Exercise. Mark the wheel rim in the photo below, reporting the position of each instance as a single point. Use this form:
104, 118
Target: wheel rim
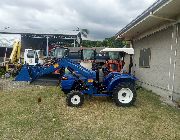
75, 100
125, 95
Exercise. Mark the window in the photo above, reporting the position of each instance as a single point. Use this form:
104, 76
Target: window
144, 59
40, 54
59, 52
30, 54
114, 55
88, 54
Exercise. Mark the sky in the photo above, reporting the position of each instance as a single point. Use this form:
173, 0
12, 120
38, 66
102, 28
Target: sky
103, 18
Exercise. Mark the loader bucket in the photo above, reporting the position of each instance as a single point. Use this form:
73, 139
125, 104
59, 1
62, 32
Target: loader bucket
31, 73
23, 74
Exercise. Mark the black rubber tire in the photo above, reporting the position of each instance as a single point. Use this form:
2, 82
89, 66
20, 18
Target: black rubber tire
71, 95
118, 88
66, 91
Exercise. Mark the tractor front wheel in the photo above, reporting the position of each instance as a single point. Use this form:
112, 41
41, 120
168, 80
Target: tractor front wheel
75, 99
124, 95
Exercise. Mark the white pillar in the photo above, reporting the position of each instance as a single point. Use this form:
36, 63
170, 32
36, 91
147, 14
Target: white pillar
47, 46
5, 53
74, 43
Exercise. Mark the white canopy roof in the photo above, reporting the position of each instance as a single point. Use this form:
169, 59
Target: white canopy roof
126, 50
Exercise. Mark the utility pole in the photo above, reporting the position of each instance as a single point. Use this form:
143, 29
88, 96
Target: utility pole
47, 46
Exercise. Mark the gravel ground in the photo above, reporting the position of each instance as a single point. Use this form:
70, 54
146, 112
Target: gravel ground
8, 85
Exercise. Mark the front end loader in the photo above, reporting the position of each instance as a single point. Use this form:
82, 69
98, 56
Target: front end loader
81, 81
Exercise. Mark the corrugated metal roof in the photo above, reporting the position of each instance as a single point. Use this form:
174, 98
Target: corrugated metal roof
38, 31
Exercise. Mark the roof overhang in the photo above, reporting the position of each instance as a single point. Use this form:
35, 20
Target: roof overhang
165, 14
126, 50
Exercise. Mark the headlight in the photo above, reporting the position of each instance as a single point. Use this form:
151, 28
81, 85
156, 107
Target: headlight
64, 78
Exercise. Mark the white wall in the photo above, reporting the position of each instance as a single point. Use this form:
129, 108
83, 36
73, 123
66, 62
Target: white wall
159, 77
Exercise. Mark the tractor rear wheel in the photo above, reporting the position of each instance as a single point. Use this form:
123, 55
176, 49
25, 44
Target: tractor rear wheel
124, 94
75, 99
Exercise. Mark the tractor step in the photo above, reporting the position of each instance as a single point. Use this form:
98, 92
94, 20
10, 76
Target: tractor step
103, 95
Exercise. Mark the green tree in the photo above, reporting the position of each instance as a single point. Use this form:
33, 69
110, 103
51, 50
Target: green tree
107, 42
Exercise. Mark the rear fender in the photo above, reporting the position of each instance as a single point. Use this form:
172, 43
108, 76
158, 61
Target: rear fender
109, 77
124, 78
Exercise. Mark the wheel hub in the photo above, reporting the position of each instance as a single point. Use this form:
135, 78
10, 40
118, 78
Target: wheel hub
75, 99
125, 95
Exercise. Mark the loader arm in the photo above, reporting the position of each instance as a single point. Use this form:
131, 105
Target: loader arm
31, 73
15, 54
77, 67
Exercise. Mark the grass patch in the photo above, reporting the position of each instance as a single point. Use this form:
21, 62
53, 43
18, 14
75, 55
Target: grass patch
22, 117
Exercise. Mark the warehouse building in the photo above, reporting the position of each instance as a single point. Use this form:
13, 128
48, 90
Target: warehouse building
155, 37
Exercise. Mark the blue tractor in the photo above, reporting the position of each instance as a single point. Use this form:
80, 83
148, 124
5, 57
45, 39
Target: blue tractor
81, 81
